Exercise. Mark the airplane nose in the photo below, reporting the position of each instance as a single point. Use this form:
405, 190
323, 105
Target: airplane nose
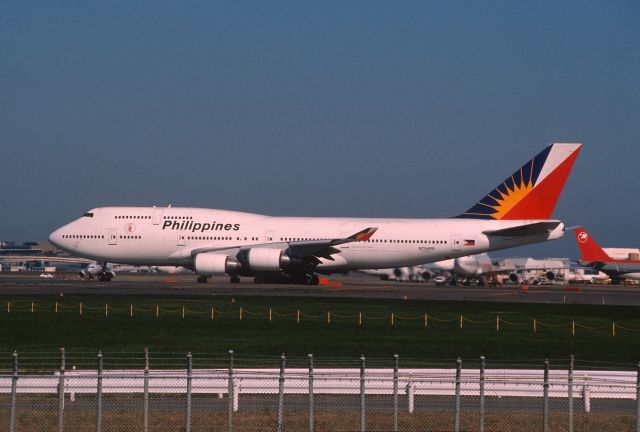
55, 238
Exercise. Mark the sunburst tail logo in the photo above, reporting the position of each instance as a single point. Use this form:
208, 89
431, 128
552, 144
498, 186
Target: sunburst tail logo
532, 191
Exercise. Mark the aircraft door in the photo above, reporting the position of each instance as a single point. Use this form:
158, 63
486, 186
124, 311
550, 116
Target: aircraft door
113, 236
456, 242
268, 236
157, 215
181, 238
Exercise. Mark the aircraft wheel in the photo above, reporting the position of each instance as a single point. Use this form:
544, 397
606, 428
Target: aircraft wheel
258, 280
107, 277
235, 280
202, 279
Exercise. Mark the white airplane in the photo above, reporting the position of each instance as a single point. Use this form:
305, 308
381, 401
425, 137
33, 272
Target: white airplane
221, 242
419, 273
533, 271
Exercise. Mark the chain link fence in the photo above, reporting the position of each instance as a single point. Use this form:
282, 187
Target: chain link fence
204, 392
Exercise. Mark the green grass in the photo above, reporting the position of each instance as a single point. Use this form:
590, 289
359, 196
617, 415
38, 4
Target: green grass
44, 331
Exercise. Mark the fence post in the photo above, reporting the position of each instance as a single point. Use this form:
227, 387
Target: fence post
456, 426
61, 391
395, 392
145, 402
482, 393
230, 391
410, 405
99, 394
362, 391
14, 390
280, 393
570, 390
586, 395
310, 392
189, 383
638, 399
545, 397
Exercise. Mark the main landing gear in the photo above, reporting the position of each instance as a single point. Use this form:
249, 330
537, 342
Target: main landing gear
105, 277
203, 279
105, 274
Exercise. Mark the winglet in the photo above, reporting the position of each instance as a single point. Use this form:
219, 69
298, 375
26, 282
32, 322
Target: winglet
363, 235
590, 250
533, 190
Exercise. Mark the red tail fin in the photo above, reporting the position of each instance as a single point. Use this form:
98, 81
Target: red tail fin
533, 190
589, 249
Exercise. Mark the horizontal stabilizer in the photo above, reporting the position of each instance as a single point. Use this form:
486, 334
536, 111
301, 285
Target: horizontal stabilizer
536, 228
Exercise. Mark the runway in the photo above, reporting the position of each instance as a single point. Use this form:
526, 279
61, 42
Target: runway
346, 287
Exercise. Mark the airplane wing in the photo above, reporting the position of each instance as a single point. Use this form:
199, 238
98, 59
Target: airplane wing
49, 258
325, 248
596, 265
536, 228
312, 250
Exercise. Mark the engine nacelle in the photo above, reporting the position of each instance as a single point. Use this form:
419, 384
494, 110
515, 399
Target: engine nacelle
266, 259
550, 275
215, 264
513, 277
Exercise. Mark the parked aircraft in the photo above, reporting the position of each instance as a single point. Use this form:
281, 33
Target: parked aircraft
593, 256
220, 242
418, 273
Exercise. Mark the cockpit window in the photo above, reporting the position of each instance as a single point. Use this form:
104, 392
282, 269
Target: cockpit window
88, 214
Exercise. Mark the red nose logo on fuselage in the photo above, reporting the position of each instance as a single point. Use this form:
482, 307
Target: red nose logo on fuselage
130, 227
583, 237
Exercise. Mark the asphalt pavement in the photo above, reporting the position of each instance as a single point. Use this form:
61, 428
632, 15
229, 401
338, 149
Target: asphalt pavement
347, 287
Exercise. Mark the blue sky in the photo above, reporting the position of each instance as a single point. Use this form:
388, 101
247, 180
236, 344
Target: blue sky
406, 109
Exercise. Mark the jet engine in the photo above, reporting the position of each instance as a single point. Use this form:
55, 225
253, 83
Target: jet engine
514, 277
215, 264
266, 259
552, 276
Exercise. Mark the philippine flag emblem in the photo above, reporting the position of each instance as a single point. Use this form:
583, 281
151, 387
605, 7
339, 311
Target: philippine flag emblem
469, 242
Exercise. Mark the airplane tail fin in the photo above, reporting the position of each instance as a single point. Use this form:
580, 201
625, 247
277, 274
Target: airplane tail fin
533, 190
589, 249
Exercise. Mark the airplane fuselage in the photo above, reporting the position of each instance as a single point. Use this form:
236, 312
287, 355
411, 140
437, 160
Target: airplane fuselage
172, 236
616, 269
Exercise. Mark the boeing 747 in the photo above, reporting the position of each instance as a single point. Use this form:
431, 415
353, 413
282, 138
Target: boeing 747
228, 243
